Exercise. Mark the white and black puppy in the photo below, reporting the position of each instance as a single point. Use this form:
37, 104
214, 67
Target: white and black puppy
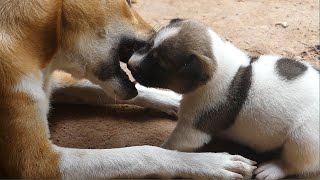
264, 102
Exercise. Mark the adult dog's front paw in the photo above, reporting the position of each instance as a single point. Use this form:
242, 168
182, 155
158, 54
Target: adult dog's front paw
222, 166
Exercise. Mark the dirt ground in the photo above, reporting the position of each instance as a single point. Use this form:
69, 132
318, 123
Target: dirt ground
249, 24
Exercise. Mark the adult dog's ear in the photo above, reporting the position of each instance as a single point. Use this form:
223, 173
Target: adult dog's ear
198, 68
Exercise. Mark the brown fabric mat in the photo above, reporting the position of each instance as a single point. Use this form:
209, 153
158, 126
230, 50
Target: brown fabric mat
82, 126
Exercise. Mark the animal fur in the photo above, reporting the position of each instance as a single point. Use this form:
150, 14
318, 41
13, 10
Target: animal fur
266, 102
85, 39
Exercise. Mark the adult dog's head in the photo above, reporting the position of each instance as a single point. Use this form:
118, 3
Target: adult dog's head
94, 35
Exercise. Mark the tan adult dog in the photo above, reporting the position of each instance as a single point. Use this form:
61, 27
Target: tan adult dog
84, 38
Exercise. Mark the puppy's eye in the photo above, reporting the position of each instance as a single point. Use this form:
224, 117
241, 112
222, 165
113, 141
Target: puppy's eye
154, 54
148, 45
163, 63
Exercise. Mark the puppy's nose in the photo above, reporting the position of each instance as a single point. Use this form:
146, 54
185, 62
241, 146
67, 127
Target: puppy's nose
132, 66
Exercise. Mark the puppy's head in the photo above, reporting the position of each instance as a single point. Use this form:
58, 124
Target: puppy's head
179, 57
95, 36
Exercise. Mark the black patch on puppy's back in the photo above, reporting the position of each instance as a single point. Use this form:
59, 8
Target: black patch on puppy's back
222, 116
290, 69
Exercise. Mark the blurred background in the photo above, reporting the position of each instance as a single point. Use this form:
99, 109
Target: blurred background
286, 27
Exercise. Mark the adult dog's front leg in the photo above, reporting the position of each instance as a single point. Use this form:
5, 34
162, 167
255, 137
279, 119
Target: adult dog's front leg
144, 161
26, 151
25, 148
66, 89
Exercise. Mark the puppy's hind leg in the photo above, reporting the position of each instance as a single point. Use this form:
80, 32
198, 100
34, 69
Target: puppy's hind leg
300, 155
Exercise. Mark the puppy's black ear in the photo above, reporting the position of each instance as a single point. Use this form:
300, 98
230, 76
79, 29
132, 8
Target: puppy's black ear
198, 68
176, 20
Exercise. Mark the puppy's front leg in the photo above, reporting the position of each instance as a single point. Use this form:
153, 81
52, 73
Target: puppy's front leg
186, 138
163, 100
66, 89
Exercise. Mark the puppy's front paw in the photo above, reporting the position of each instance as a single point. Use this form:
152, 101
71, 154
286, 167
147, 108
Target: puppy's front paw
272, 170
169, 102
223, 166
162, 100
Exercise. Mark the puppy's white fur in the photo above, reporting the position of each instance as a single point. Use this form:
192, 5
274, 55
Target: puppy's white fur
165, 34
277, 113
